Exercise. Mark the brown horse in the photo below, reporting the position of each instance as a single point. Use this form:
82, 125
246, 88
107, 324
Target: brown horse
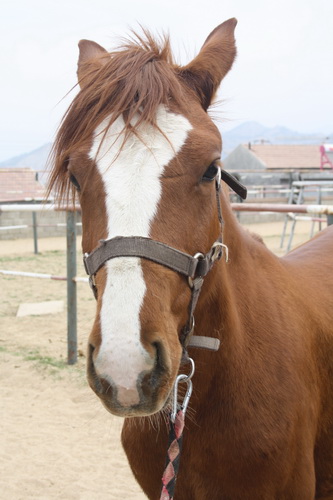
143, 154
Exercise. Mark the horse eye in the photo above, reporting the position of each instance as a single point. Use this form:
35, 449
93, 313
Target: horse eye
210, 173
74, 182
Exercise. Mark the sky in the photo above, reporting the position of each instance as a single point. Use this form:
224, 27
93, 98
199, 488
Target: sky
283, 74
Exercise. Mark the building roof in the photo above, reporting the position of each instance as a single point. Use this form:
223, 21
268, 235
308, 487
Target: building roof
291, 157
19, 184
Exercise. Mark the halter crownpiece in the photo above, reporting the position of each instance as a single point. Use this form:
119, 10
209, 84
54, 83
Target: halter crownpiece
195, 268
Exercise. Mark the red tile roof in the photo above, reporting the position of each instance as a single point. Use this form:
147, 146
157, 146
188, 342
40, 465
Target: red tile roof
287, 156
19, 184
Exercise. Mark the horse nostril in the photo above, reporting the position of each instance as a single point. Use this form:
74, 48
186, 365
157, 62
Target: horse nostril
91, 349
94, 380
160, 365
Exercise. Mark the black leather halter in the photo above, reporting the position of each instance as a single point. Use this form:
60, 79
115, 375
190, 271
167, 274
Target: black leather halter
195, 268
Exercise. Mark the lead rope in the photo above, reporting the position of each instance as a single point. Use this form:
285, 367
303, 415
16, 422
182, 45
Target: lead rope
176, 423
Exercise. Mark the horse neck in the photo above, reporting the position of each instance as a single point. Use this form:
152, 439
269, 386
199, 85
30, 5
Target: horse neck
231, 292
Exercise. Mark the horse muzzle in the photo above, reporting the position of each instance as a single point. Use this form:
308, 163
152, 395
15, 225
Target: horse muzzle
143, 395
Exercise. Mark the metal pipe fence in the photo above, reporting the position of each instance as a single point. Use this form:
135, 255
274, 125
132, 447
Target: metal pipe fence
283, 208
77, 279
33, 208
72, 279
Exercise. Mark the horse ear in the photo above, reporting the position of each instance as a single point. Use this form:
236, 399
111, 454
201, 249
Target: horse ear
91, 57
205, 73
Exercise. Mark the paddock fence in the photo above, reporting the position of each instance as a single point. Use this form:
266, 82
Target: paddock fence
71, 278
71, 232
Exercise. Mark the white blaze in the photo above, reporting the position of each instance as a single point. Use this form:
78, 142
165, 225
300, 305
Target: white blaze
132, 184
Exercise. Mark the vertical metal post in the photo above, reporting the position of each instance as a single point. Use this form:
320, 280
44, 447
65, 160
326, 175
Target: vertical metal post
34, 226
329, 219
71, 289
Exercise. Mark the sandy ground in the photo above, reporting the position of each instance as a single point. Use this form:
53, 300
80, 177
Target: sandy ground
56, 440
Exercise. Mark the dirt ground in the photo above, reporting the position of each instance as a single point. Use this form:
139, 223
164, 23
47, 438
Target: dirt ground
56, 439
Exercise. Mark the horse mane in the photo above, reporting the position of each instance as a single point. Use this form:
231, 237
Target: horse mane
131, 81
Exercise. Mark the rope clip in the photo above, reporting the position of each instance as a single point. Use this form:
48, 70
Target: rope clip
184, 404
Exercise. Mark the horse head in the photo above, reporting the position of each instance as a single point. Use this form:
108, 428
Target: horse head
143, 155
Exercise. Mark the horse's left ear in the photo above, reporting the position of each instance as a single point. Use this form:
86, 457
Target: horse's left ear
205, 73
91, 57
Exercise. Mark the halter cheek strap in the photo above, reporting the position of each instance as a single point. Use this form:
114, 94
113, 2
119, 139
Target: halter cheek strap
195, 268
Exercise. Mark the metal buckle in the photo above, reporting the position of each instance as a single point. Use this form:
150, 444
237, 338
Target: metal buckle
191, 330
184, 404
198, 255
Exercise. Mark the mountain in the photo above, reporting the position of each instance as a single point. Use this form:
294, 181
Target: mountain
36, 159
242, 134
256, 133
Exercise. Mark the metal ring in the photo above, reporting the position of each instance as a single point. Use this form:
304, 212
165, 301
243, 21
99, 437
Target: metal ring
191, 329
192, 368
198, 255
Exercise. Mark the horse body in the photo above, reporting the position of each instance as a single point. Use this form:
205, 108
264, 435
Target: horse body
270, 386
139, 145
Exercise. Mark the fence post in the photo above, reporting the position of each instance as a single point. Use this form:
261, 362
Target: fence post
34, 226
71, 289
329, 219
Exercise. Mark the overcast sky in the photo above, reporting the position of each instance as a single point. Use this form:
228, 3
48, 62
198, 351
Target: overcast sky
283, 74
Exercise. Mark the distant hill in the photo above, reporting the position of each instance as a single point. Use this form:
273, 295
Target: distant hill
246, 132
259, 134
36, 159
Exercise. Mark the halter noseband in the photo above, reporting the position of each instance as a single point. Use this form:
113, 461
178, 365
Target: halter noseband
195, 268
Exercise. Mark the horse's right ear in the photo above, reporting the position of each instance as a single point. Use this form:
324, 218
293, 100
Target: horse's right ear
91, 57
205, 73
